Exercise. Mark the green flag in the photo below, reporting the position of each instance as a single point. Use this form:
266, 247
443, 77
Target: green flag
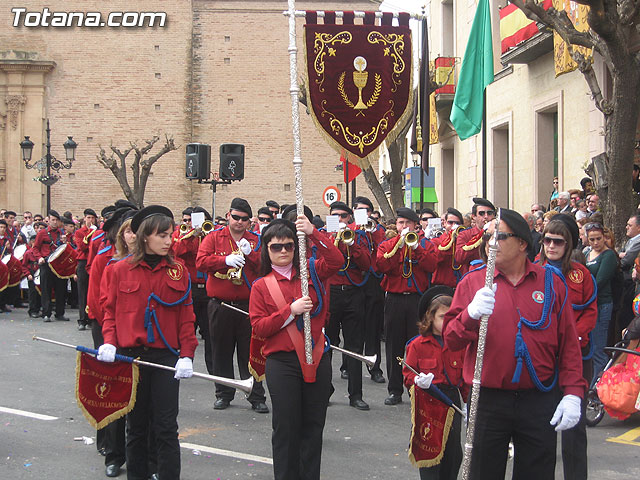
475, 74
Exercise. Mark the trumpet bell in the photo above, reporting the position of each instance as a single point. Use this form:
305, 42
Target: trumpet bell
207, 227
184, 229
411, 239
347, 235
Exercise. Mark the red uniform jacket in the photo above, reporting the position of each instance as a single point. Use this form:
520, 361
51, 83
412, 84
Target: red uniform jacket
187, 251
464, 257
211, 259
423, 261
374, 238
96, 243
6, 246
127, 298
555, 345
445, 274
82, 247
357, 260
267, 319
95, 282
29, 262
425, 355
47, 240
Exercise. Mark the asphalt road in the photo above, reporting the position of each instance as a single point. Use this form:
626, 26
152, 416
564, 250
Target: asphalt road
219, 445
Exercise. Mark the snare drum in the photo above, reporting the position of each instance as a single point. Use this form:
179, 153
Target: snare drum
63, 261
4, 276
14, 268
19, 251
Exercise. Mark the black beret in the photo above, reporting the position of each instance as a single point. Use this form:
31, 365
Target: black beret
430, 295
147, 212
89, 211
363, 200
265, 211
115, 219
107, 210
318, 222
272, 203
241, 205
66, 221
429, 211
517, 224
340, 206
202, 210
187, 211
483, 202
127, 215
571, 224
404, 212
292, 208
125, 203
39, 224
455, 213
54, 214
3, 222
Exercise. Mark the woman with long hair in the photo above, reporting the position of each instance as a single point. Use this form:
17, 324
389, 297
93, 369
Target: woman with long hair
299, 392
148, 315
602, 263
559, 239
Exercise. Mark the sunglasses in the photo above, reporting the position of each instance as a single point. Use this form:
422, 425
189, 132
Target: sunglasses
501, 236
452, 222
185, 220
559, 242
342, 215
277, 247
26, 217
593, 226
239, 218
487, 212
426, 219
265, 219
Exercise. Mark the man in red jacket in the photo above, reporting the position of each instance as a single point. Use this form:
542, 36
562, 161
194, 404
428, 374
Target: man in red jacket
230, 257
82, 236
469, 240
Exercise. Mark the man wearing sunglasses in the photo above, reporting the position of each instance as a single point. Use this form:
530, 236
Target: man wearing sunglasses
447, 272
224, 253
468, 243
373, 293
532, 357
346, 304
265, 216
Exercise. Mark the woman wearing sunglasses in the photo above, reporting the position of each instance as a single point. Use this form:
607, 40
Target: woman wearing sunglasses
299, 394
559, 238
602, 262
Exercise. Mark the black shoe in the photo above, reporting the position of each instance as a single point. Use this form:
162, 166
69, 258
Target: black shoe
221, 404
34, 315
359, 404
112, 470
344, 375
154, 476
82, 326
393, 399
20, 305
377, 377
62, 318
102, 452
260, 407
46, 319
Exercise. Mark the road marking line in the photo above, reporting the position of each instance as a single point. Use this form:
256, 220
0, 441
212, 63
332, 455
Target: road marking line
37, 416
628, 438
227, 453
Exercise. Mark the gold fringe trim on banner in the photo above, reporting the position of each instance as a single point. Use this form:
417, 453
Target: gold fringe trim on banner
445, 437
116, 415
258, 378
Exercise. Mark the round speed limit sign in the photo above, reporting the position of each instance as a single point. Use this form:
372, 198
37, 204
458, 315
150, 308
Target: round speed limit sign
330, 195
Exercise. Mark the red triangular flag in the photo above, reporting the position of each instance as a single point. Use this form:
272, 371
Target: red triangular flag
354, 170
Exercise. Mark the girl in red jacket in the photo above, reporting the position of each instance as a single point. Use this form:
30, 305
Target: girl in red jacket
437, 365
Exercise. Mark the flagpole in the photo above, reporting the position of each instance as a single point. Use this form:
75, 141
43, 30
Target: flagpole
484, 143
294, 90
346, 183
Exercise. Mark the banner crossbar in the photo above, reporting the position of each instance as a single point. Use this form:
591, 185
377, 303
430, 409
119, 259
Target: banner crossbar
357, 14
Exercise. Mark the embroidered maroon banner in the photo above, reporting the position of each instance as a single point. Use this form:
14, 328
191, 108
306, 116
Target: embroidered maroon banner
430, 425
105, 391
359, 83
257, 360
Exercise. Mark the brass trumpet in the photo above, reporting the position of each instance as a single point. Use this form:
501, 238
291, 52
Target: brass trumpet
368, 360
370, 226
411, 239
207, 227
345, 235
184, 228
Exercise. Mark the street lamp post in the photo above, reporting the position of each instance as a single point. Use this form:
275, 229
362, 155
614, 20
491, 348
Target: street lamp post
48, 162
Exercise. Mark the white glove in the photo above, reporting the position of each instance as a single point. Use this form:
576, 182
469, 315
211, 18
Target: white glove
245, 246
234, 260
402, 235
567, 413
106, 353
482, 303
184, 368
423, 380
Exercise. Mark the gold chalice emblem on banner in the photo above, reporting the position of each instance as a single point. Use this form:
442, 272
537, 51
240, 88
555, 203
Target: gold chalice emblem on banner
360, 78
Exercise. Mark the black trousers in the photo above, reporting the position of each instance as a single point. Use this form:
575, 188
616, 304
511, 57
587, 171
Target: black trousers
574, 440
200, 304
346, 307
229, 330
400, 325
34, 298
156, 410
522, 416
374, 320
83, 287
50, 283
299, 411
449, 466
111, 438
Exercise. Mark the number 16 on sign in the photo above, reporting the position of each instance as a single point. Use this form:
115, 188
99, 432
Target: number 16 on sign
330, 195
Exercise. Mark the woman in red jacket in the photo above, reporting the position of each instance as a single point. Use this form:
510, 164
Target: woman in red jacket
559, 238
148, 314
299, 393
